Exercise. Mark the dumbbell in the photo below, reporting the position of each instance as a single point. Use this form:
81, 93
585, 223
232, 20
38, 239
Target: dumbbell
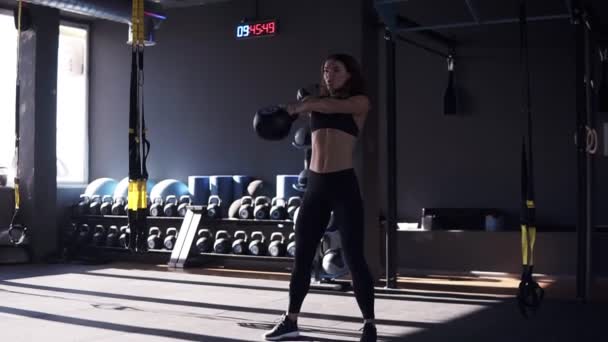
276, 248
246, 209
123, 239
291, 246
156, 207
204, 244
184, 202
95, 205
84, 234
154, 238
106, 205
278, 210
292, 204
239, 246
99, 237
118, 208
112, 237
222, 242
82, 208
170, 208
257, 244
170, 238
214, 207
261, 207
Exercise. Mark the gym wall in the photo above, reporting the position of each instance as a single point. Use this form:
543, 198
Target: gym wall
202, 87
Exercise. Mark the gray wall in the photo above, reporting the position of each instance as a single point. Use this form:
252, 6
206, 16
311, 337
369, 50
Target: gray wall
202, 87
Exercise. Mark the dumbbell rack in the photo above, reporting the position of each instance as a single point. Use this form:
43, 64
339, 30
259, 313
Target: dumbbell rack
267, 227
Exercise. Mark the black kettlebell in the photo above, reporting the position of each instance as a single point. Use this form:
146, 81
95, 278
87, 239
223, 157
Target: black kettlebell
257, 244
222, 242
246, 209
99, 237
154, 238
278, 211
170, 208
302, 181
273, 123
84, 234
170, 238
261, 209
106, 205
112, 237
276, 248
239, 245
69, 234
118, 208
94, 206
302, 138
214, 209
123, 239
291, 246
82, 208
156, 209
184, 202
204, 244
292, 204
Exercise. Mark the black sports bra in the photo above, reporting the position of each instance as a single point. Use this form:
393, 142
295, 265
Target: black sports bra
341, 121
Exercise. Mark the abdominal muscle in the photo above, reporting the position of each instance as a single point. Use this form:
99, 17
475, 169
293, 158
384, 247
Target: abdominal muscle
332, 150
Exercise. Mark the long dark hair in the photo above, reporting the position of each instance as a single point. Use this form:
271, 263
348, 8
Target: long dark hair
355, 85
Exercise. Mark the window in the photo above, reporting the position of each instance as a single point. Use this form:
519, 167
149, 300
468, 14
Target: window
72, 100
72, 106
8, 76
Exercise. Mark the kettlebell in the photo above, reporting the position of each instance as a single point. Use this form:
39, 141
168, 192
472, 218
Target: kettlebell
261, 209
246, 209
302, 181
204, 244
99, 237
184, 202
278, 210
69, 234
170, 238
276, 248
118, 208
154, 238
84, 234
257, 244
106, 205
112, 237
239, 246
170, 208
123, 240
156, 207
222, 242
293, 203
214, 207
233, 210
94, 206
273, 123
291, 246
82, 208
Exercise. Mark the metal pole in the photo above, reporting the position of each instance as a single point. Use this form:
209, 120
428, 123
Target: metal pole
421, 46
402, 28
588, 161
581, 287
391, 142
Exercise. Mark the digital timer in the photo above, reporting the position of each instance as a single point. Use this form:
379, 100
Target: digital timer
256, 29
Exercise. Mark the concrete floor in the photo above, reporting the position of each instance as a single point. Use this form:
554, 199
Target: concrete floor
130, 302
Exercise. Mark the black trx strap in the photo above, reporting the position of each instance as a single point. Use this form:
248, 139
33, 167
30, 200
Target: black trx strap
530, 293
17, 232
138, 144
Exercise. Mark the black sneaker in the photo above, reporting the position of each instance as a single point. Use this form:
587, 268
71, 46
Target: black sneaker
369, 333
285, 328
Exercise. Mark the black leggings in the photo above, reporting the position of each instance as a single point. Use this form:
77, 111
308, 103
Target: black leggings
327, 192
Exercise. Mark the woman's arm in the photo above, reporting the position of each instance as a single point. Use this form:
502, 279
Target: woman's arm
358, 104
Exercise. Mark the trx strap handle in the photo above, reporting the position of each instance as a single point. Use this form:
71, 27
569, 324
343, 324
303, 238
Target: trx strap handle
17, 233
138, 144
530, 293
